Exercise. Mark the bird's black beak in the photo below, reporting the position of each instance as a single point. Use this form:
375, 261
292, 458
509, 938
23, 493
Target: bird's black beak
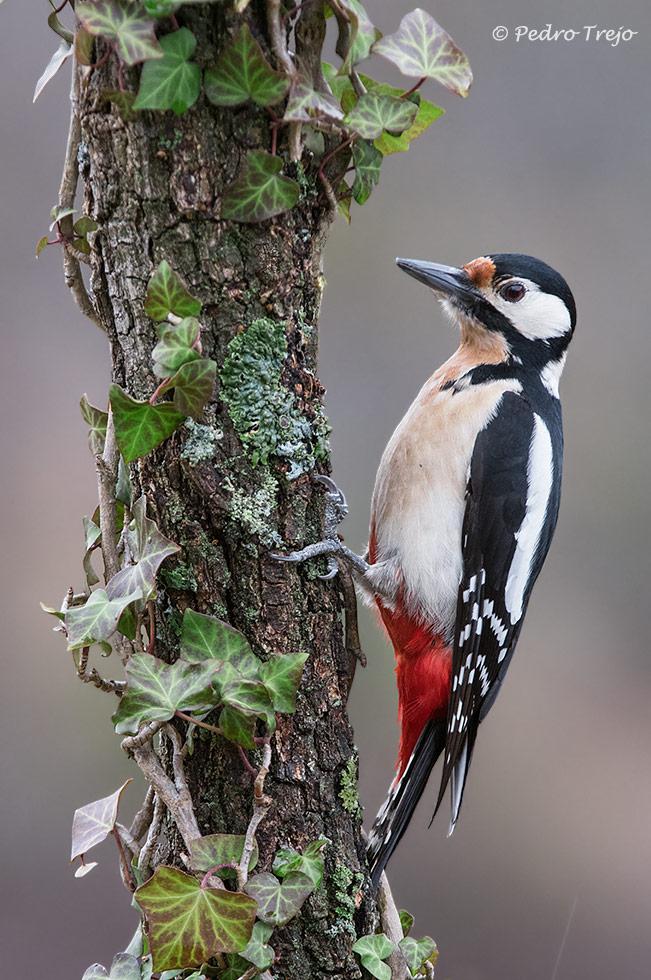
444, 279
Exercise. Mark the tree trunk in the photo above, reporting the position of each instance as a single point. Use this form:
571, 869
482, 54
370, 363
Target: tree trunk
154, 186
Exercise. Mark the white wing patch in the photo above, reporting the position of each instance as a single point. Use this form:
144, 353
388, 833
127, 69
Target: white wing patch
540, 478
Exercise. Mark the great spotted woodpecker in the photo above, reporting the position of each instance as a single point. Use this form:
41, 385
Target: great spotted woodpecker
463, 512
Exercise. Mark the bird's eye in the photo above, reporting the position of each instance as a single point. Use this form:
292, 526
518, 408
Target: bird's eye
513, 292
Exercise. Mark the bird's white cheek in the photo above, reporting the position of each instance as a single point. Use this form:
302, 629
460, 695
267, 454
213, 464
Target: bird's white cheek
539, 316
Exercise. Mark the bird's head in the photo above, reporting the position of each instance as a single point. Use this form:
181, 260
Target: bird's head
509, 300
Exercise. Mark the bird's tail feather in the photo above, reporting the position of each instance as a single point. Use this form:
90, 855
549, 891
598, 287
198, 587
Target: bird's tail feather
395, 814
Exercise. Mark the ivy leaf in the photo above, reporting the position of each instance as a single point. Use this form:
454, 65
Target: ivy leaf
281, 675
161, 8
193, 385
257, 951
368, 160
173, 81
420, 48
58, 59
123, 23
310, 862
59, 214
97, 619
207, 638
167, 293
406, 921
123, 967
237, 728
207, 852
177, 346
260, 192
139, 426
40, 245
92, 534
96, 420
427, 113
242, 72
246, 696
305, 104
92, 823
84, 44
149, 548
375, 113
417, 952
357, 33
187, 924
278, 902
156, 690
372, 950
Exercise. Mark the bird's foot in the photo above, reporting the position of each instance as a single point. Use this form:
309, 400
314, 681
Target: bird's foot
336, 507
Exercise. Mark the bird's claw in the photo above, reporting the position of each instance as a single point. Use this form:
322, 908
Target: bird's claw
336, 509
333, 570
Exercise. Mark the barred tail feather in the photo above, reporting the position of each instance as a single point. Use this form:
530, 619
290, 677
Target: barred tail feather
395, 814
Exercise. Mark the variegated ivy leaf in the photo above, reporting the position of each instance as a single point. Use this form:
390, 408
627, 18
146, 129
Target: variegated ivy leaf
157, 690
187, 924
167, 293
177, 346
260, 192
148, 548
173, 81
305, 104
92, 823
249, 698
372, 951
281, 675
193, 386
421, 48
139, 426
123, 23
374, 114
310, 862
97, 620
58, 59
417, 952
96, 421
367, 160
123, 967
215, 849
257, 951
207, 638
242, 72
406, 921
357, 33
279, 901
386, 143
237, 728
92, 534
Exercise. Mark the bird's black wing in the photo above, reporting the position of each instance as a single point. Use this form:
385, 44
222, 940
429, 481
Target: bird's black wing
511, 508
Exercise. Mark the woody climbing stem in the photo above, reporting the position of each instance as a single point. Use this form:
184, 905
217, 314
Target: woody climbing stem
212, 148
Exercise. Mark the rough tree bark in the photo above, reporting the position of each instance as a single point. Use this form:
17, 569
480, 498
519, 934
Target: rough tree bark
154, 185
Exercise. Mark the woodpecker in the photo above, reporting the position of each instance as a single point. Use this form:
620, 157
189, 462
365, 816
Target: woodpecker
463, 512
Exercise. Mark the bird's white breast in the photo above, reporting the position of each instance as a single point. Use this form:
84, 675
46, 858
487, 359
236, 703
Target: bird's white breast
419, 498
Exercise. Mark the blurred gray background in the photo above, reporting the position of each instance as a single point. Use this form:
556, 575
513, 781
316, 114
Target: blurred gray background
549, 155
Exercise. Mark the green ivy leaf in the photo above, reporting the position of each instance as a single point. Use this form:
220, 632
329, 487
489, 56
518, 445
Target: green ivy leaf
427, 113
177, 346
368, 160
161, 8
237, 728
40, 245
139, 426
420, 48
58, 59
417, 952
207, 638
214, 849
97, 619
245, 696
278, 902
281, 675
149, 549
92, 823
310, 862
357, 33
188, 924
173, 81
92, 534
305, 104
84, 44
406, 921
260, 192
372, 950
156, 690
167, 293
96, 420
123, 967
123, 23
242, 72
193, 385
375, 113
257, 951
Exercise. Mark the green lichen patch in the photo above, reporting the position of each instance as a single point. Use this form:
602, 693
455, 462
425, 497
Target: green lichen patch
200, 443
181, 578
348, 788
252, 510
265, 413
346, 885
